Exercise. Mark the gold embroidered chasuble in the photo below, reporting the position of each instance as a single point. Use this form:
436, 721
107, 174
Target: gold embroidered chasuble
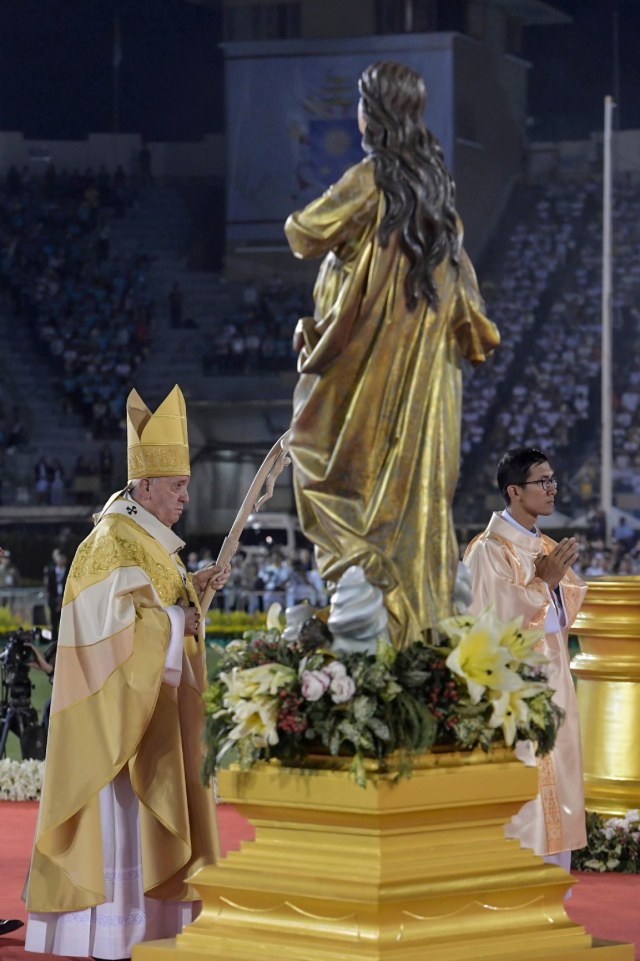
111, 710
376, 420
501, 561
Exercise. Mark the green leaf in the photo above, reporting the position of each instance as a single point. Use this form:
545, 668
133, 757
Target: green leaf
363, 708
379, 729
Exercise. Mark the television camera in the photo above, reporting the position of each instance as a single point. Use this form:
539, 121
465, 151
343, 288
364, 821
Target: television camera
17, 713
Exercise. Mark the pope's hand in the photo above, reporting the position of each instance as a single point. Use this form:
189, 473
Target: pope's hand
214, 575
191, 619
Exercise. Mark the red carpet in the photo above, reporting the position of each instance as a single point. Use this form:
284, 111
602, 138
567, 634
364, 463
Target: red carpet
606, 904
17, 828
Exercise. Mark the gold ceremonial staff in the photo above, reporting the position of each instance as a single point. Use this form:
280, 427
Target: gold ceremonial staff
272, 466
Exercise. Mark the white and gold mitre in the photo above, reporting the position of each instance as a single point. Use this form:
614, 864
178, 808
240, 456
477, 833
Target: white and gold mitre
157, 444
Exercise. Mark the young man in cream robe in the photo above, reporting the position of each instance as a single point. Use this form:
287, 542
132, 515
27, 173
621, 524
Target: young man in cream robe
124, 819
522, 572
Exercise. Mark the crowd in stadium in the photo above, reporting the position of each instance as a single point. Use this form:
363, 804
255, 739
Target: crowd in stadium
89, 312
257, 338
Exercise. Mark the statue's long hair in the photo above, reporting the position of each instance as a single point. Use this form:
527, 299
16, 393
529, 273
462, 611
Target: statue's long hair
411, 173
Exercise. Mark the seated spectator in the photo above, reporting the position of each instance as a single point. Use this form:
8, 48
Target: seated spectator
43, 477
9, 574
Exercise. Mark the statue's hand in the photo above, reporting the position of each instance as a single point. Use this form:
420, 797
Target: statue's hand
298, 338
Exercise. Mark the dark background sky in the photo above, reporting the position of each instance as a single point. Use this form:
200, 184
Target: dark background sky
56, 70
56, 67
574, 69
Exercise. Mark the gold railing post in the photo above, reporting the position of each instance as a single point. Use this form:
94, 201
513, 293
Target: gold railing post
608, 689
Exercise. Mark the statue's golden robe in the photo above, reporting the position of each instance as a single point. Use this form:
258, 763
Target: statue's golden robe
376, 421
111, 712
502, 565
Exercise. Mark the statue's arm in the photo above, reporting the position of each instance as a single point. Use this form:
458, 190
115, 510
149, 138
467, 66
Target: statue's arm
337, 217
477, 336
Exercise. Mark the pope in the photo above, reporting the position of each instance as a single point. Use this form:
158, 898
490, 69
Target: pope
124, 819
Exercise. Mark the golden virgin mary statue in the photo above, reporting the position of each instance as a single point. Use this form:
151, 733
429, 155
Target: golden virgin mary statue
376, 422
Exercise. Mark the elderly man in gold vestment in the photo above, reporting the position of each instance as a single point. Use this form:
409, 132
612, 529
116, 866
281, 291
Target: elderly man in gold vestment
376, 421
124, 819
523, 573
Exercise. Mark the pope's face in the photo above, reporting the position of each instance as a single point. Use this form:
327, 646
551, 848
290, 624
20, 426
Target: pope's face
165, 497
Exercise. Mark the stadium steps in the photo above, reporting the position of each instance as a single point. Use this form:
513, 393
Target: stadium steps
159, 225
28, 377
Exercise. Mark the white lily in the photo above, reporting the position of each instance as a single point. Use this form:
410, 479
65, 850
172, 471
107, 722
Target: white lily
480, 659
273, 618
253, 681
522, 642
512, 709
256, 719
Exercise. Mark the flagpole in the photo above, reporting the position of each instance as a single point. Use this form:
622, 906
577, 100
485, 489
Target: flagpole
606, 438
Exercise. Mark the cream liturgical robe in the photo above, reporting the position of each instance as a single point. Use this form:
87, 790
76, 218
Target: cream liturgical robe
376, 422
124, 819
501, 561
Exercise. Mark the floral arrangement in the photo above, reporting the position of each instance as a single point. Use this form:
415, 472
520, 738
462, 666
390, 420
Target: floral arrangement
272, 697
613, 844
20, 780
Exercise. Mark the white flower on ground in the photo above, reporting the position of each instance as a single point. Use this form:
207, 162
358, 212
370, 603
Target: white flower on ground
20, 780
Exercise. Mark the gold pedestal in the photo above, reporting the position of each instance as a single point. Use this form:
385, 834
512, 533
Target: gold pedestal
608, 690
400, 871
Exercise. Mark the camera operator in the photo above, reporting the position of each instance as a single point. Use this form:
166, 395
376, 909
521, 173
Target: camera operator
47, 666
17, 713
55, 578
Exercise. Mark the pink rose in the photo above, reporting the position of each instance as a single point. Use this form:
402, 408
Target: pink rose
335, 669
314, 684
342, 689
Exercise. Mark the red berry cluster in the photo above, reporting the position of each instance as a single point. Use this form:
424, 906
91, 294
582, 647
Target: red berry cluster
443, 694
289, 720
258, 653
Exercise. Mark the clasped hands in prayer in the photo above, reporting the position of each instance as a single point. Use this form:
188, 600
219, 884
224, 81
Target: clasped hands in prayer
553, 566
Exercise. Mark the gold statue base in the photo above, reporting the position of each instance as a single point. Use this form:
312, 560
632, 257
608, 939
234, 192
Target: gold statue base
397, 871
608, 691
